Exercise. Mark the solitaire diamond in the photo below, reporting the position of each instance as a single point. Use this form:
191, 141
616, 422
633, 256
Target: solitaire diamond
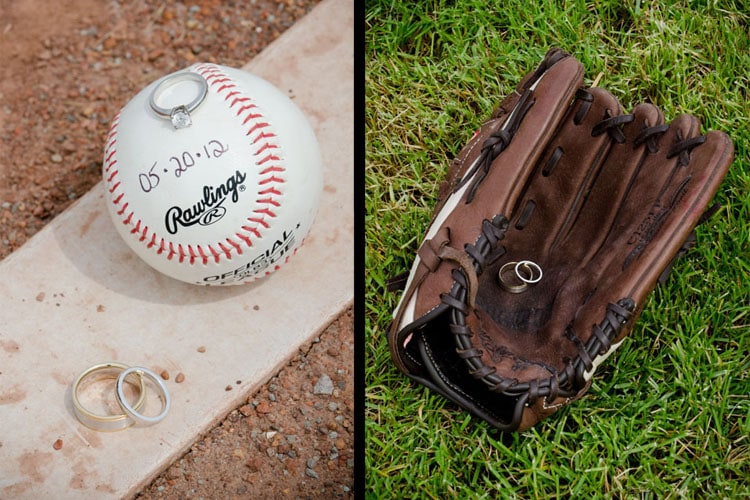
180, 117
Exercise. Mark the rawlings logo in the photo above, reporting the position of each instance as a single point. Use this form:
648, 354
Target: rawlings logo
209, 209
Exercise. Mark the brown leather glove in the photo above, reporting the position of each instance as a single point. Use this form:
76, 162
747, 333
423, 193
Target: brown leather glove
554, 224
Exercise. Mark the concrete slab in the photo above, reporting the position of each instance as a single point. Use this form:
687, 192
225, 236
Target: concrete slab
75, 296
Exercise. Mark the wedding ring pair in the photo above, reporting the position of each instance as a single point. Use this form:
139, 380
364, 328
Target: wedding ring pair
516, 277
132, 412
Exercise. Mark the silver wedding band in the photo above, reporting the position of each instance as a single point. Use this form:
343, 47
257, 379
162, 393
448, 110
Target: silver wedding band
107, 423
140, 419
179, 115
534, 272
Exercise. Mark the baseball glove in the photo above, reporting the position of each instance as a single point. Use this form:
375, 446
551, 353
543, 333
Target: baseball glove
554, 224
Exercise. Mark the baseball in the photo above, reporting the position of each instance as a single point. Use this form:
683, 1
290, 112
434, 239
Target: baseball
212, 175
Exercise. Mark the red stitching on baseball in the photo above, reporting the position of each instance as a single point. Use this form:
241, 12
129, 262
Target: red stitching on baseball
269, 201
110, 165
247, 240
272, 168
236, 246
237, 100
214, 75
256, 127
244, 108
260, 221
225, 250
264, 211
253, 230
271, 179
217, 255
204, 257
263, 135
251, 117
171, 253
191, 254
263, 148
268, 157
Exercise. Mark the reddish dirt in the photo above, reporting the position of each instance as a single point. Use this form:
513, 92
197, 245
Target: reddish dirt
66, 68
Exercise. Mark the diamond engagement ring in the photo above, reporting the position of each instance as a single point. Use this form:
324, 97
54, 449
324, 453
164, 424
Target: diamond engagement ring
132, 412
98, 422
179, 115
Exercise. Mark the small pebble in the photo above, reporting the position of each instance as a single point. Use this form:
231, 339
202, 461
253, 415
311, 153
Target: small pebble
164, 374
202, 349
324, 385
180, 378
57, 444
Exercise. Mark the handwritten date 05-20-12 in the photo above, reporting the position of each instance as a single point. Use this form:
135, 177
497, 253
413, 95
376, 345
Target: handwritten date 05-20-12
181, 163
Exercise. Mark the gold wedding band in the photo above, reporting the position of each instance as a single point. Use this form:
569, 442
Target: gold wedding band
509, 279
107, 423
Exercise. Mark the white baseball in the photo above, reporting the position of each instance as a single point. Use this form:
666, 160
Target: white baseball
225, 200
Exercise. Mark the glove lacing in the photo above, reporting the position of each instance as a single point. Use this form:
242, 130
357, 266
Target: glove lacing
565, 384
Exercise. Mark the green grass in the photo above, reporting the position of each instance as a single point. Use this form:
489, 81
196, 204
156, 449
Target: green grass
668, 414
